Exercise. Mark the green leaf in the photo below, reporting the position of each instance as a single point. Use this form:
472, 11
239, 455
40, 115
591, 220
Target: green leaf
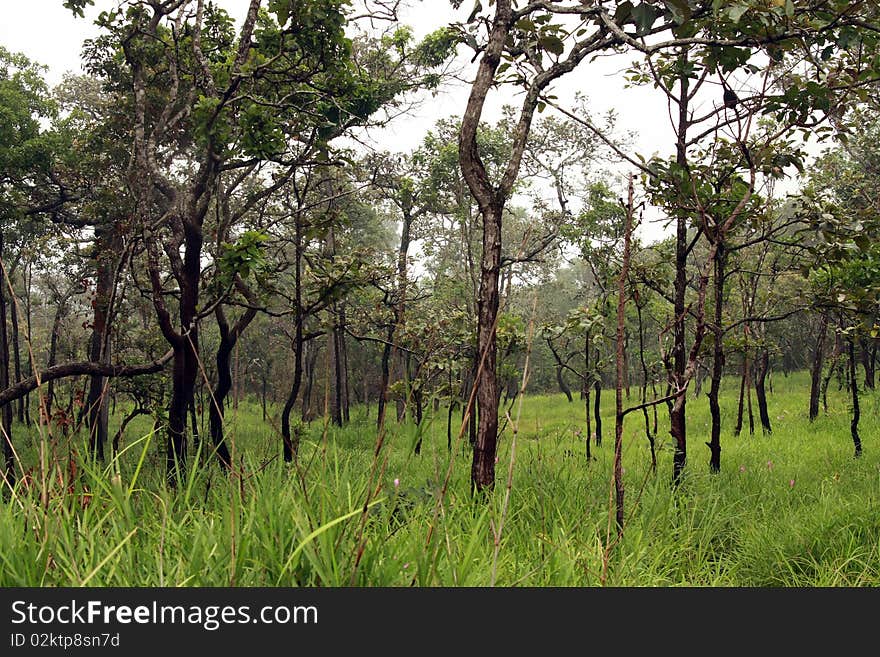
552, 44
644, 16
736, 12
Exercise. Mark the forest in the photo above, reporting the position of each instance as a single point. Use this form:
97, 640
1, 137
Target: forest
246, 341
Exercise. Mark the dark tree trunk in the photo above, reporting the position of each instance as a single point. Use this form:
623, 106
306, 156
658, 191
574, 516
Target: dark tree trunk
60, 312
385, 377
854, 389
586, 394
816, 367
228, 341
290, 446
678, 408
835, 358
761, 370
107, 246
621, 363
342, 382
6, 407
483, 466
336, 369
186, 353
563, 386
644, 390
714, 443
597, 407
27, 310
737, 429
16, 351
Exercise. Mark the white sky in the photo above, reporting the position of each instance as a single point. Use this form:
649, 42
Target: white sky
50, 35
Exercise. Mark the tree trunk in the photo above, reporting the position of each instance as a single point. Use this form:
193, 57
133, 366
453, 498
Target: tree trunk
854, 389
761, 370
290, 447
586, 393
563, 386
597, 407
644, 390
714, 443
816, 367
737, 429
483, 466
228, 342
678, 408
60, 312
27, 311
621, 363
16, 351
344, 388
107, 247
6, 408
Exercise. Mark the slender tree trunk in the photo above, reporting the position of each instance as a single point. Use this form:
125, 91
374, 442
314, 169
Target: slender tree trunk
6, 409
483, 467
333, 349
621, 364
586, 394
761, 370
107, 246
228, 342
343, 385
835, 358
678, 409
291, 446
643, 399
854, 388
737, 429
27, 310
60, 312
749, 398
563, 386
816, 367
16, 351
597, 405
385, 377
714, 443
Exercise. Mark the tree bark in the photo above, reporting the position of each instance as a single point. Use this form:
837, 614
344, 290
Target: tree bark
9, 474
16, 352
816, 367
714, 443
483, 466
290, 447
761, 370
563, 386
854, 388
621, 364
106, 248
678, 409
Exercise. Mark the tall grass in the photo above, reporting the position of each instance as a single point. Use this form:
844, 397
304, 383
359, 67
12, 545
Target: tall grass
793, 508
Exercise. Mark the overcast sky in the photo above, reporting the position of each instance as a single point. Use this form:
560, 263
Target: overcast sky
50, 35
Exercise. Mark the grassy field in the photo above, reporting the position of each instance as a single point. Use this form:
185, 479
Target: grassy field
789, 509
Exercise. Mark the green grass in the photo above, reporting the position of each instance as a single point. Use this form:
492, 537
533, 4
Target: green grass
789, 509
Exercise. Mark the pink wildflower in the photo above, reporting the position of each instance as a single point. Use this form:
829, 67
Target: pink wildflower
396, 483
742, 468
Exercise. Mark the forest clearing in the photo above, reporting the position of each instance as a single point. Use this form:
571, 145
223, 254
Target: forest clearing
379, 293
